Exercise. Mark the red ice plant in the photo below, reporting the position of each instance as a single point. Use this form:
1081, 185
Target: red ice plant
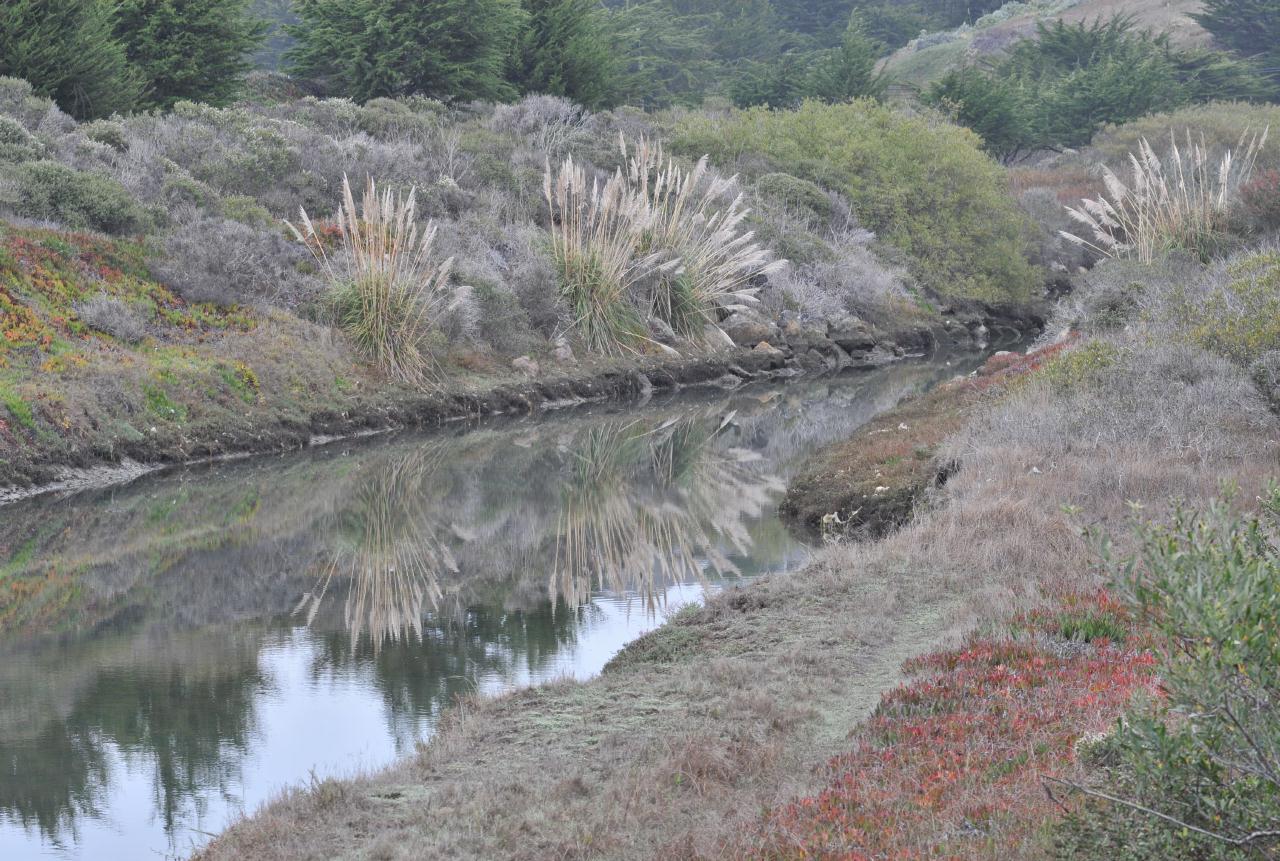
950, 764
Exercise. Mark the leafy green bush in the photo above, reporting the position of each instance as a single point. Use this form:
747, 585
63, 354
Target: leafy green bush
16, 143
1059, 88
1206, 759
920, 183
51, 191
1221, 123
799, 195
1239, 316
107, 132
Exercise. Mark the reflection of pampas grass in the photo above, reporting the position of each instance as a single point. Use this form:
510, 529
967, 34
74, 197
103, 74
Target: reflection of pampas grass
1183, 202
647, 508
390, 550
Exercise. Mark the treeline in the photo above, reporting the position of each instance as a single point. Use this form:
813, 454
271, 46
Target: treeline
98, 57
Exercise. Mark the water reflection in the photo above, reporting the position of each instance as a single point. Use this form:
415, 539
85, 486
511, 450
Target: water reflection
181, 648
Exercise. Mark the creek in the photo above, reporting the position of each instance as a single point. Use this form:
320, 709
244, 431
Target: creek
178, 650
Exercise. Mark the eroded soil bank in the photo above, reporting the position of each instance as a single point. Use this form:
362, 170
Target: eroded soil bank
91, 449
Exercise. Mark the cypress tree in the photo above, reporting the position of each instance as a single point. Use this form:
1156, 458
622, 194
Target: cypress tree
849, 71
563, 51
67, 51
441, 48
189, 49
1251, 27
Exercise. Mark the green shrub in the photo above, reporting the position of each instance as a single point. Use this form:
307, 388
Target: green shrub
79, 200
1239, 316
1221, 123
1208, 756
107, 132
920, 183
16, 143
1084, 366
798, 195
246, 210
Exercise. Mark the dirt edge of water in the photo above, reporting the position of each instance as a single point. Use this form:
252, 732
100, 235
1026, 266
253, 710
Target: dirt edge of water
49, 465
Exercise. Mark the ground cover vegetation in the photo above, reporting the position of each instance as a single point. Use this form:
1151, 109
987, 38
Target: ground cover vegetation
152, 301
1173, 752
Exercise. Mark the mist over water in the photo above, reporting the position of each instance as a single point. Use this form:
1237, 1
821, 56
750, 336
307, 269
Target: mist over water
179, 650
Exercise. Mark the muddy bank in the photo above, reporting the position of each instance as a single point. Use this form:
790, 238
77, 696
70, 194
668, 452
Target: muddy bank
869, 485
45, 462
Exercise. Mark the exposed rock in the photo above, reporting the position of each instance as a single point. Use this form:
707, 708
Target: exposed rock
564, 353
852, 334
800, 334
661, 332
526, 366
747, 329
768, 349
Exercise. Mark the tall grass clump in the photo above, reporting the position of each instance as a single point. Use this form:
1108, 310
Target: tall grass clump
387, 286
1182, 202
595, 242
689, 220
654, 240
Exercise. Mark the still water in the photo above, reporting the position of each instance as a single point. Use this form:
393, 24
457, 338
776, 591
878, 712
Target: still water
176, 651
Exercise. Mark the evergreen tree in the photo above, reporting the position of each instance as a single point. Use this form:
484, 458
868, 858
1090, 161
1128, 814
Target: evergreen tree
849, 71
563, 51
1251, 27
67, 51
441, 48
196, 50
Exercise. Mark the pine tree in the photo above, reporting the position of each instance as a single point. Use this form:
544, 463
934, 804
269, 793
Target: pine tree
441, 48
563, 51
1251, 27
189, 49
67, 51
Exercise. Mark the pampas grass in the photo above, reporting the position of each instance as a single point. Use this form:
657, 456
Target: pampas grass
653, 240
1181, 203
688, 219
387, 285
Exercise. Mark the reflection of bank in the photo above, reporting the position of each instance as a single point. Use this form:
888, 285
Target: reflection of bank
648, 505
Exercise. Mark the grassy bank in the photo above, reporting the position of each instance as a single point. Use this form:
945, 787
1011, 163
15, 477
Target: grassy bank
869, 484
154, 305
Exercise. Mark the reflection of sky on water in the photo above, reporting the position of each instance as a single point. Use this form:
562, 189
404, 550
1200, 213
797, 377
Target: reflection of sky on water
183, 648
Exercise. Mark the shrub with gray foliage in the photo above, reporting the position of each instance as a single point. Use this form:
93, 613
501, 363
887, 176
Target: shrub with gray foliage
112, 316
216, 260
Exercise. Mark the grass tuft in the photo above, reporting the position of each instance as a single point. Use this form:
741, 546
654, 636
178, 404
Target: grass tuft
388, 287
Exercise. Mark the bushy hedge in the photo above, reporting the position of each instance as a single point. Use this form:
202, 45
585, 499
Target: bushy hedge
920, 183
48, 191
1208, 759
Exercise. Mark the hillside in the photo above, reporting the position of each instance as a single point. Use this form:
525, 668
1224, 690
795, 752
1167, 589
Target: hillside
928, 57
